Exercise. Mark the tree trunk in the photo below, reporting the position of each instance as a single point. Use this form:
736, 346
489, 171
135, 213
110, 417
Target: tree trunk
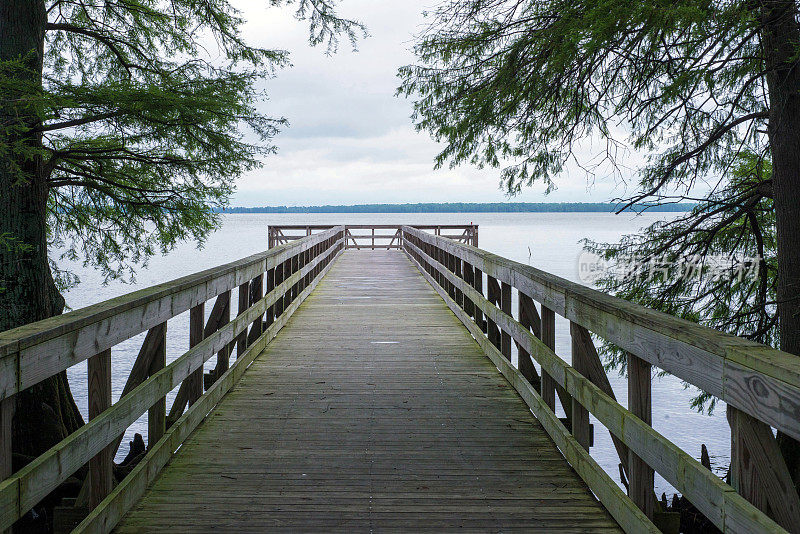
46, 412
781, 42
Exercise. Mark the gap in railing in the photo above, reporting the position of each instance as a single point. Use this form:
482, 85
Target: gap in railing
123, 357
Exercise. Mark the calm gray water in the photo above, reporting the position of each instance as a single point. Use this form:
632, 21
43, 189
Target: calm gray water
549, 241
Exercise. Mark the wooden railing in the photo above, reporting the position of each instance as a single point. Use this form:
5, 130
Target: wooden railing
760, 385
373, 236
34, 352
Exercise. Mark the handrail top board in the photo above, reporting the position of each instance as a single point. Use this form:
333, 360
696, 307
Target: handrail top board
612, 318
376, 226
16, 342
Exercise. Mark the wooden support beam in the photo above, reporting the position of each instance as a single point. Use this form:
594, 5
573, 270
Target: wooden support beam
451, 266
580, 415
270, 287
640, 475
457, 270
477, 283
505, 307
223, 356
493, 289
195, 380
279, 278
244, 303
157, 414
153, 345
549, 339
256, 292
100, 466
592, 368
218, 311
469, 278
287, 273
759, 472
6, 417
529, 318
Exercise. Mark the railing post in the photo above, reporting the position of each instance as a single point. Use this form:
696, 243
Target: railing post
279, 278
492, 331
580, 415
759, 472
256, 293
270, 287
505, 307
469, 279
529, 318
6, 417
100, 466
640, 475
224, 355
244, 303
549, 339
457, 264
287, 273
157, 414
477, 283
296, 267
196, 319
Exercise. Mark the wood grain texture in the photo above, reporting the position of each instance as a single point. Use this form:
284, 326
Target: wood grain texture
157, 413
100, 466
640, 475
373, 409
759, 472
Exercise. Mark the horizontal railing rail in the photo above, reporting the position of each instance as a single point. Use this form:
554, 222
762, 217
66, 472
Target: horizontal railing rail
379, 236
761, 385
40, 350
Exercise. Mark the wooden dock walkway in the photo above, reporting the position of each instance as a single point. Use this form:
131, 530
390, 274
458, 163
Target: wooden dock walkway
372, 410
364, 378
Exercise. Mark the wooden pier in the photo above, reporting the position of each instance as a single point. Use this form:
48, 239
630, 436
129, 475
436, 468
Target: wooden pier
372, 410
374, 390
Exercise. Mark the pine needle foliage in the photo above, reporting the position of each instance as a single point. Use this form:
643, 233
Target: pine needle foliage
148, 112
520, 85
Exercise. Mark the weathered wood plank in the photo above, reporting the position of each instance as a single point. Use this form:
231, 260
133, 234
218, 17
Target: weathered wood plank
157, 413
580, 415
196, 334
99, 394
640, 475
759, 472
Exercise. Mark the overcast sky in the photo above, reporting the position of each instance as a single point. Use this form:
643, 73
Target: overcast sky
350, 140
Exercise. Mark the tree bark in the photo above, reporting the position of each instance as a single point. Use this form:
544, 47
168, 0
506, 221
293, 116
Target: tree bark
781, 42
45, 413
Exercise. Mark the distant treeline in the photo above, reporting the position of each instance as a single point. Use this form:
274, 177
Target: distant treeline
461, 207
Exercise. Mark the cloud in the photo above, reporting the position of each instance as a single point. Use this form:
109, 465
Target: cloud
350, 140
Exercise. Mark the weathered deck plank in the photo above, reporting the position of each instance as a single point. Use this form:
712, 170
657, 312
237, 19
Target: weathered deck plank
373, 409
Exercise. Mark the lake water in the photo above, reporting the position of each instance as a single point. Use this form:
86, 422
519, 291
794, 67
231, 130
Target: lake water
549, 241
